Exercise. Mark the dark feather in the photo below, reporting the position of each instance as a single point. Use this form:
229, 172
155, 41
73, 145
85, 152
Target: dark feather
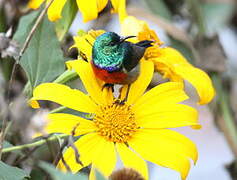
138, 51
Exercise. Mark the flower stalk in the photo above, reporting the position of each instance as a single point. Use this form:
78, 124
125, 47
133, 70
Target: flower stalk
34, 144
66, 76
230, 128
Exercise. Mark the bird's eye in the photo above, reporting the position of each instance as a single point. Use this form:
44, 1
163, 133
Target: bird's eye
112, 44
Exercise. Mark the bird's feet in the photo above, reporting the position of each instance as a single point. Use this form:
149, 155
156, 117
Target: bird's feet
120, 102
108, 85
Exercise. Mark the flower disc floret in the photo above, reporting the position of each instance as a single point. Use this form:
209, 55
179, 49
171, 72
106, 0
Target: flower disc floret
116, 122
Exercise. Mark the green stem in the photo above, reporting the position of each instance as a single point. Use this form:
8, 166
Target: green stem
27, 89
195, 7
63, 78
2, 19
66, 76
34, 144
226, 112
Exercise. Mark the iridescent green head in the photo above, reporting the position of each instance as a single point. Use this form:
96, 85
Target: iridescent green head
109, 51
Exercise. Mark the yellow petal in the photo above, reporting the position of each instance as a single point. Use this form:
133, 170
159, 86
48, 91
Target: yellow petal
55, 9
139, 86
68, 124
70, 158
166, 148
115, 4
86, 145
84, 46
166, 93
100, 151
119, 6
132, 160
93, 34
200, 80
34, 104
139, 29
91, 83
34, 4
167, 116
167, 137
137, 26
84, 43
101, 4
180, 66
122, 92
92, 173
88, 9
108, 95
104, 150
63, 95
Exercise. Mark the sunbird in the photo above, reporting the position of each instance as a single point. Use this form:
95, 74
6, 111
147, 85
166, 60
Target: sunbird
115, 60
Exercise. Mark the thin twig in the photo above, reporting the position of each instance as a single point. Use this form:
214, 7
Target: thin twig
65, 164
50, 148
71, 143
68, 142
59, 155
76, 152
30, 35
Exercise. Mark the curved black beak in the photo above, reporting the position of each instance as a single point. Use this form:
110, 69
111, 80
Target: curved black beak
124, 38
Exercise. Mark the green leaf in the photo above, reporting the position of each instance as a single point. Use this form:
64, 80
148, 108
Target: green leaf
11, 173
43, 59
99, 176
38, 174
58, 175
217, 15
6, 144
24, 27
69, 12
66, 110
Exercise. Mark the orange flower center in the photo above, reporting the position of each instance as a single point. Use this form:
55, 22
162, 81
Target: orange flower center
116, 122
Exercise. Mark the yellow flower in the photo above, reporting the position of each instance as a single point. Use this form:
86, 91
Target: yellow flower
85, 42
168, 61
136, 130
89, 8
